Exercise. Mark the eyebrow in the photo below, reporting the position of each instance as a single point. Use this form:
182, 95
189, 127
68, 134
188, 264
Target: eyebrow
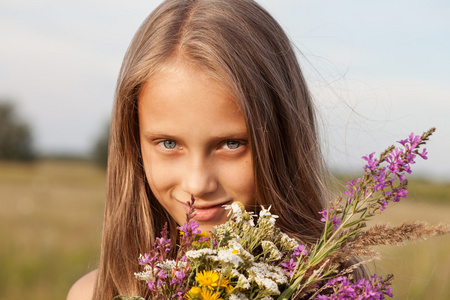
225, 136
152, 135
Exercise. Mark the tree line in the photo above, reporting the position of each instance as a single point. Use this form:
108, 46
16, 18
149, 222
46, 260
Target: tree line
16, 141
16, 138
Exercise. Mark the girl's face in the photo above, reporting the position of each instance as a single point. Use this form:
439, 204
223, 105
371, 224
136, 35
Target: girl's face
194, 140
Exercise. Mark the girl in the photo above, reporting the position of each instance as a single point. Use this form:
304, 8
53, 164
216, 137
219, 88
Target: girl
210, 102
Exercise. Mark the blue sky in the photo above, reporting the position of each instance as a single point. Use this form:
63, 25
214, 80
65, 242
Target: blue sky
377, 69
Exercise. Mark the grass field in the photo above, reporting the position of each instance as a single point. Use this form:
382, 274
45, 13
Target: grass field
51, 216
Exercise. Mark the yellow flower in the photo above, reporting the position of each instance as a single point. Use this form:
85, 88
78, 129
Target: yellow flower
204, 234
208, 279
224, 281
210, 295
229, 289
202, 240
201, 245
195, 291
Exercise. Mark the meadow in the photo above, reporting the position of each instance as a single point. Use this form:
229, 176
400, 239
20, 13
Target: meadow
51, 218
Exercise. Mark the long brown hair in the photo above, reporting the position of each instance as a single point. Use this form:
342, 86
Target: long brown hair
237, 43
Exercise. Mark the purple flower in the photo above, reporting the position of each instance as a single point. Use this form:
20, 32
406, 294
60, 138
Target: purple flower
403, 142
423, 154
190, 228
179, 276
336, 221
380, 180
388, 292
300, 250
162, 274
159, 283
400, 193
151, 284
146, 259
178, 295
353, 189
163, 243
324, 214
395, 161
289, 266
401, 177
353, 182
410, 158
342, 288
371, 163
383, 203
414, 140
407, 168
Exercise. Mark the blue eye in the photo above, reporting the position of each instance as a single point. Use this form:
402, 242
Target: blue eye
169, 144
232, 144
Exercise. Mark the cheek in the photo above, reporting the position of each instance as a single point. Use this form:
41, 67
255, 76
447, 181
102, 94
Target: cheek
160, 174
239, 178
248, 180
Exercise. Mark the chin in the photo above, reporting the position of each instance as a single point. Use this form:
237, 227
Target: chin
208, 227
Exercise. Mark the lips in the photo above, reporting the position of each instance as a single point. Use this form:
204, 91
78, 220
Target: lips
205, 213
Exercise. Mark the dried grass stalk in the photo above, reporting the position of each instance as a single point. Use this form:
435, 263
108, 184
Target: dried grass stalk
361, 245
397, 235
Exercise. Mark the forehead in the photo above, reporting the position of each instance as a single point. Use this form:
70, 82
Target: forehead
181, 68
179, 98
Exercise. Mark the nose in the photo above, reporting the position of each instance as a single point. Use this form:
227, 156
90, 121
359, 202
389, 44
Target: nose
199, 178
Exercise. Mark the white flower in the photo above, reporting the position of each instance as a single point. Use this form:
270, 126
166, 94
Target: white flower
243, 282
146, 275
265, 214
288, 242
270, 247
262, 270
234, 244
239, 214
234, 273
269, 284
238, 296
266, 298
228, 256
167, 265
194, 254
223, 231
250, 221
236, 209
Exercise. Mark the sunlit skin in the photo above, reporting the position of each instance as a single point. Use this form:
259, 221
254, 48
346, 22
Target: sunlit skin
194, 140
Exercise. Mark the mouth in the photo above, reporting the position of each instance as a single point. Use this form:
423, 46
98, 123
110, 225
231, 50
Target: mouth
208, 212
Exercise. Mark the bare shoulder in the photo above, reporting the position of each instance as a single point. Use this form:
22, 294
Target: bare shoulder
83, 289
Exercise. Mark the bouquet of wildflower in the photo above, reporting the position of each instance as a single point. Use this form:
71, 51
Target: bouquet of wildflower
248, 257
